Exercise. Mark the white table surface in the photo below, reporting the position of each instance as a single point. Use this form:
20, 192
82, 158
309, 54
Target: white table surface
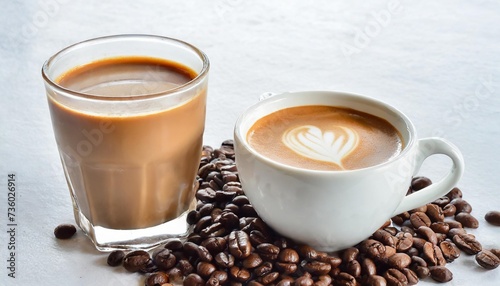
437, 61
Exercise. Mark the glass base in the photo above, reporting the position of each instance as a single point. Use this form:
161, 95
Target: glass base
106, 239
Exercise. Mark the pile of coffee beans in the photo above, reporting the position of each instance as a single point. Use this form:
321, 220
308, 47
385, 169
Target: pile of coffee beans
230, 245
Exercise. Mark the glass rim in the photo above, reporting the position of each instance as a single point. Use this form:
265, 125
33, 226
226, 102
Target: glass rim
51, 82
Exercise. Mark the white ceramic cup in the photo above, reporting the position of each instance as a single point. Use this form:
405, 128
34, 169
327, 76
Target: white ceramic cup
333, 210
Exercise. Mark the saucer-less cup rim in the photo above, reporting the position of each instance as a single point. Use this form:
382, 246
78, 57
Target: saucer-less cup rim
50, 79
259, 110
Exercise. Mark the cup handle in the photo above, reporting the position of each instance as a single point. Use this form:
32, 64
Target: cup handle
425, 148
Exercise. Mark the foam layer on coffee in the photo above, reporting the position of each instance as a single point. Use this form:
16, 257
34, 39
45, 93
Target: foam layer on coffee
331, 145
325, 138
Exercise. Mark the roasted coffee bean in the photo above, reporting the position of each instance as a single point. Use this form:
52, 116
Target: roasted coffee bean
411, 276
487, 259
286, 268
204, 254
174, 275
332, 260
64, 231
450, 250
223, 196
158, 278
304, 280
454, 224
193, 279
419, 266
220, 275
173, 244
372, 248
449, 210
467, 220
399, 261
440, 274
435, 213
269, 278
455, 231
461, 205
395, 277
252, 261
257, 237
214, 244
224, 260
283, 243
389, 251
263, 269
211, 281
239, 274
286, 281
496, 251
392, 230
240, 200
398, 220
307, 252
149, 268
268, 251
428, 234
205, 170
202, 223
185, 267
205, 269
239, 244
213, 230
467, 243
368, 267
493, 217
316, 267
351, 253
440, 227
136, 260
408, 229
433, 254
385, 237
454, 193
375, 280
164, 259
441, 202
194, 238
324, 280
190, 248
228, 219
419, 219
344, 279
419, 209
288, 255
115, 258
232, 208
412, 251
205, 195
419, 183
404, 241
354, 268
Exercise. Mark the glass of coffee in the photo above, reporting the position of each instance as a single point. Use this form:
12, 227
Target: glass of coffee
329, 168
128, 114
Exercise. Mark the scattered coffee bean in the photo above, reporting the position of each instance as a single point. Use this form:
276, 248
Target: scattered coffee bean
441, 274
467, 220
231, 245
419, 183
496, 251
136, 260
115, 258
487, 259
64, 231
193, 280
467, 243
493, 217
158, 278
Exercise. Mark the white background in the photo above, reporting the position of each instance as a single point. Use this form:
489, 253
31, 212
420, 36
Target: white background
437, 61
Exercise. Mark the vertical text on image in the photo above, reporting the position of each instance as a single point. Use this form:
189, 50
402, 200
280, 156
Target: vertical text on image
11, 225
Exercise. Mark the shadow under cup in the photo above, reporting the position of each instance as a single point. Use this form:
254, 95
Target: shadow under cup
130, 160
333, 210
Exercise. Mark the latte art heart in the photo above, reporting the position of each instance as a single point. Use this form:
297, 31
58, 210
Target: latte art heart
331, 145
